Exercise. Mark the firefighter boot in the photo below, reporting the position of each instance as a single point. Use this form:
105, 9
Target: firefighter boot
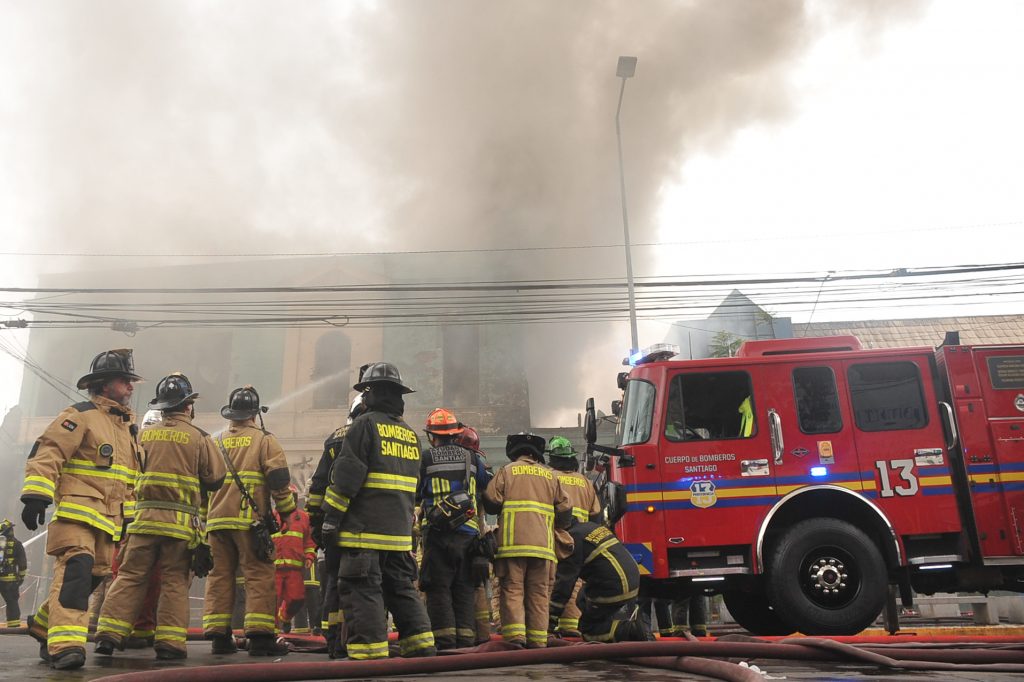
38, 633
105, 645
266, 645
166, 652
68, 659
224, 644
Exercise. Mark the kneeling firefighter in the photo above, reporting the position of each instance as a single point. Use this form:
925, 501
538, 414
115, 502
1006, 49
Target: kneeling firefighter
369, 517
611, 578
182, 466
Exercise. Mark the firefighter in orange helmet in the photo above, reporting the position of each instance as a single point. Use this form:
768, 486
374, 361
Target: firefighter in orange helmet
451, 479
294, 551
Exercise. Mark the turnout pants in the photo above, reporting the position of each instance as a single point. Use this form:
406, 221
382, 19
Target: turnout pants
291, 593
483, 614
11, 589
608, 622
126, 596
525, 593
371, 583
569, 620
145, 623
445, 579
233, 552
82, 556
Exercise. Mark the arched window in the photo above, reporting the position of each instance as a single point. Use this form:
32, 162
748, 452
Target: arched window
331, 360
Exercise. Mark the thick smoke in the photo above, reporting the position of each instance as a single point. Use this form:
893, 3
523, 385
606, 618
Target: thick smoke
399, 125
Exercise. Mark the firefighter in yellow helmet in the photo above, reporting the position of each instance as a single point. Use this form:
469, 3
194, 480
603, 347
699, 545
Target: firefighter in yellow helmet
86, 463
239, 513
530, 504
182, 466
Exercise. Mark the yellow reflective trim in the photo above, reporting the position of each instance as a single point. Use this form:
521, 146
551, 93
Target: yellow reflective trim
526, 551
527, 506
190, 483
171, 530
87, 515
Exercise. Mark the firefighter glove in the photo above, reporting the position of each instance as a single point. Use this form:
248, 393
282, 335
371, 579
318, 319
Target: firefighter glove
329, 529
34, 513
480, 570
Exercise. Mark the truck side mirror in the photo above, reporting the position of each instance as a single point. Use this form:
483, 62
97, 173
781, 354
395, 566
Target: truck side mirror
620, 380
590, 423
617, 407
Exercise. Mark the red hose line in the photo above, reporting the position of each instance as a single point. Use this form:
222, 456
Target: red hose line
719, 670
805, 649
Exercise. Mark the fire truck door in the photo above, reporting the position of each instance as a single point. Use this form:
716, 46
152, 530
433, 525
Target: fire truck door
995, 455
805, 405
902, 448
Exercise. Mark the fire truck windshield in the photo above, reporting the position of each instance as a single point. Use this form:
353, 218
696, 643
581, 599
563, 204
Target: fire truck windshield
637, 413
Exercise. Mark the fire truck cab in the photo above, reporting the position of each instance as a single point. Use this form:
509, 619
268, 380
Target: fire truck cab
803, 477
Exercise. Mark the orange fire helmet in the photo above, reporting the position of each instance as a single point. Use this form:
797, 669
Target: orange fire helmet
442, 422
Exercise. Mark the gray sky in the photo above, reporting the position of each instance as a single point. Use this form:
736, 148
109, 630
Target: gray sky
759, 137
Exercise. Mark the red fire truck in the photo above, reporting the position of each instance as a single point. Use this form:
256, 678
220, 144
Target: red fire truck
803, 477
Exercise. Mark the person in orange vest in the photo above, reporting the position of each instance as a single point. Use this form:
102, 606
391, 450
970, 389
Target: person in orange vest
293, 551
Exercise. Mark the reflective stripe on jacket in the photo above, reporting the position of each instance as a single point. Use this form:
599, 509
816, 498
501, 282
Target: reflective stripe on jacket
373, 483
262, 468
442, 471
581, 494
529, 494
181, 464
86, 462
293, 545
602, 562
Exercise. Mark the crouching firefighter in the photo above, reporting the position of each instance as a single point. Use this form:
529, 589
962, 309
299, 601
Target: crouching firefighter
607, 601
240, 527
182, 465
369, 518
86, 463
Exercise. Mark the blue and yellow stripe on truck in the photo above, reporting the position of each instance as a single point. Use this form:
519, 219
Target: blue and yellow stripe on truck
643, 555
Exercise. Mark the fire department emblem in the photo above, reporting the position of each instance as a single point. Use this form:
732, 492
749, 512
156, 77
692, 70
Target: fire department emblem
702, 494
1018, 402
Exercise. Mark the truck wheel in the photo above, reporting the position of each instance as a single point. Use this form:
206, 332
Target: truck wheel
826, 577
752, 612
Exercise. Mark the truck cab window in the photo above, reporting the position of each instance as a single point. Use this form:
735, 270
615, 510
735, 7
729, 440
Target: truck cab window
887, 396
817, 400
637, 413
709, 406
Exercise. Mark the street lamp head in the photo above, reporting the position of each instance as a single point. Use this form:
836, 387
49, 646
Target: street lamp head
626, 67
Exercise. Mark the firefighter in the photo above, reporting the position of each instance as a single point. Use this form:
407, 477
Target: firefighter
585, 507
611, 579
294, 552
451, 479
370, 504
331, 618
254, 459
13, 565
470, 439
182, 466
86, 462
530, 503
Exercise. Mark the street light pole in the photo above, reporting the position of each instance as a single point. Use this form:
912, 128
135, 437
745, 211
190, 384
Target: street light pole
626, 68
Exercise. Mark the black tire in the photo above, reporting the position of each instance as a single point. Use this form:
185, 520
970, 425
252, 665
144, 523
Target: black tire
753, 613
826, 577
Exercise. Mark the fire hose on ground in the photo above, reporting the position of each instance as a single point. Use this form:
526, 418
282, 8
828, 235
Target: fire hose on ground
700, 657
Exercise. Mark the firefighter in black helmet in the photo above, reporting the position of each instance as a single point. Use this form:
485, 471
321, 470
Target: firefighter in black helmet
369, 515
